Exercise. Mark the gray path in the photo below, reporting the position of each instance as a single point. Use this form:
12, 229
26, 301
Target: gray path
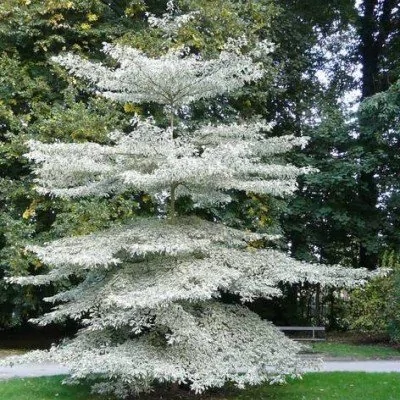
25, 371
363, 366
31, 370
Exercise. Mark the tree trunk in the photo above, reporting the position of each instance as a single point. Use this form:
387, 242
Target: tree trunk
373, 31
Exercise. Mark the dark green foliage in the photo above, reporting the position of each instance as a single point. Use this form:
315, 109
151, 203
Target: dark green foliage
343, 213
380, 114
375, 308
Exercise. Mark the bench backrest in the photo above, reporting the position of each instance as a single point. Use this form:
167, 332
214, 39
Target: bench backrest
301, 328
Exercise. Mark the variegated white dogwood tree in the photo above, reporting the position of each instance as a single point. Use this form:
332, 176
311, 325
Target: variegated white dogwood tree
148, 292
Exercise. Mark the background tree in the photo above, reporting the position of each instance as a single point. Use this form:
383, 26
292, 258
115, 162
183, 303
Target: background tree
339, 215
375, 309
342, 204
379, 43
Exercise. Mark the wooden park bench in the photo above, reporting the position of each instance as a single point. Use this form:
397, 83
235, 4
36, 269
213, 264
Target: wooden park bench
312, 329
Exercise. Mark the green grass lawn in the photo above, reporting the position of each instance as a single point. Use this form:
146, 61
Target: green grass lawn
370, 351
42, 389
314, 386
330, 386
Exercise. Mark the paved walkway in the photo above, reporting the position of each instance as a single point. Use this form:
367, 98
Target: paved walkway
26, 371
32, 370
363, 366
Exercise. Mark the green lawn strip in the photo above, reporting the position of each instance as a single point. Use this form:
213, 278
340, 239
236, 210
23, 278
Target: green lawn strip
313, 386
329, 386
46, 388
335, 349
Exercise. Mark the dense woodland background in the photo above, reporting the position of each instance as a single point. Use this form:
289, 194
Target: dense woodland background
335, 78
